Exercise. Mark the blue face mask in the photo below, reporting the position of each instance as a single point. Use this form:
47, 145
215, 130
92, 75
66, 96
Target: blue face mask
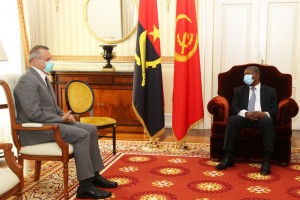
49, 66
248, 79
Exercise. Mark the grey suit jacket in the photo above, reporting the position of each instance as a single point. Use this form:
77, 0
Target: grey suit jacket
35, 103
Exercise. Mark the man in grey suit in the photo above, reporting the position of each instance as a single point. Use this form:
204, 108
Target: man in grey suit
36, 102
254, 105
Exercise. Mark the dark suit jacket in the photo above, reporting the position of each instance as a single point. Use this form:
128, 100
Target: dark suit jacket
268, 100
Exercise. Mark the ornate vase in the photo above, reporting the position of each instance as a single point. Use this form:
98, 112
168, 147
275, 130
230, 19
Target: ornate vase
108, 55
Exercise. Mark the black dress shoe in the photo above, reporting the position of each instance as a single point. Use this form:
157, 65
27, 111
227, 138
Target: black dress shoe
100, 181
226, 162
265, 168
92, 192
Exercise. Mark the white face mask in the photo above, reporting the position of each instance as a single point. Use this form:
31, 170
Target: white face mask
248, 79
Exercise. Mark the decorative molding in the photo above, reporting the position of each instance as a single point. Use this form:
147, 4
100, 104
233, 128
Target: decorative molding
23, 32
165, 59
92, 58
168, 120
90, 66
69, 65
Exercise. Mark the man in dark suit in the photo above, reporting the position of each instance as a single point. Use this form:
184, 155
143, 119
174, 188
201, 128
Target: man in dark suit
254, 105
36, 102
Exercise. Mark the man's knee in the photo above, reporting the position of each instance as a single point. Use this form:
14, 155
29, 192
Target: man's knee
84, 134
266, 121
234, 119
93, 131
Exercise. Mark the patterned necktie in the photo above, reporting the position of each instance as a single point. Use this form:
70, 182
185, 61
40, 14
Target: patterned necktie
251, 104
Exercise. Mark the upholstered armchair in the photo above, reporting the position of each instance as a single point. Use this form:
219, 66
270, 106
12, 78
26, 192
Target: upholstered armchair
249, 144
57, 150
11, 181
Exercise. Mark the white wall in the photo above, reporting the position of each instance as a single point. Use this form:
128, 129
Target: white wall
11, 41
10, 37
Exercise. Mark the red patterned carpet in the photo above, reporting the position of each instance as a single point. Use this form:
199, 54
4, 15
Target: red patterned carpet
164, 174
154, 177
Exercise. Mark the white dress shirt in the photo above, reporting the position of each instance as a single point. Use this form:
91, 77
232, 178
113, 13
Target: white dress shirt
257, 106
42, 74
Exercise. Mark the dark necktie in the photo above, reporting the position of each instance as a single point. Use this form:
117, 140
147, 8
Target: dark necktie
50, 91
48, 84
251, 104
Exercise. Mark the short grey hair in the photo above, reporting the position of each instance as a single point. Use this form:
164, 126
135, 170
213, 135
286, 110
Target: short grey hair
34, 52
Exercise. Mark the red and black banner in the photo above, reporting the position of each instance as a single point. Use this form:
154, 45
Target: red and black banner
187, 89
148, 101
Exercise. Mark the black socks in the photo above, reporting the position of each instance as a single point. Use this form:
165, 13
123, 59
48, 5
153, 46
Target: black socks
96, 174
85, 183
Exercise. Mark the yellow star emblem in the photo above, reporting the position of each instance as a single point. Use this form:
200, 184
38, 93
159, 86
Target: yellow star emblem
154, 33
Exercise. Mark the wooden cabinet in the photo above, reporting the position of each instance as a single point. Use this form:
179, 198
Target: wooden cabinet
113, 96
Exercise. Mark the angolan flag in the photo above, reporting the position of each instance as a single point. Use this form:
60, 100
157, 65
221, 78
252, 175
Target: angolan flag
148, 101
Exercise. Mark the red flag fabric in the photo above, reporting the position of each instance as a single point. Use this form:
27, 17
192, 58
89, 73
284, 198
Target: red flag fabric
148, 102
187, 89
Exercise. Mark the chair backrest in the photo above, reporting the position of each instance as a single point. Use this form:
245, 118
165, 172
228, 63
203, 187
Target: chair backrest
11, 80
269, 75
79, 96
8, 91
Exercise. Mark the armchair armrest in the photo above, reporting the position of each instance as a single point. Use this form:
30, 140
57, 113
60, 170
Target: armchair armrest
55, 128
32, 125
11, 161
287, 109
219, 108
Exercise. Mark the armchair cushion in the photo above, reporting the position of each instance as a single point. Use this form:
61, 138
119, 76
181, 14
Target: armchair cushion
44, 149
98, 121
11, 181
8, 180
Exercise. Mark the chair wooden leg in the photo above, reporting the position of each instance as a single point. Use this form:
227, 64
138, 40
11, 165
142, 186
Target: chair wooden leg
21, 161
66, 178
19, 195
114, 140
37, 170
